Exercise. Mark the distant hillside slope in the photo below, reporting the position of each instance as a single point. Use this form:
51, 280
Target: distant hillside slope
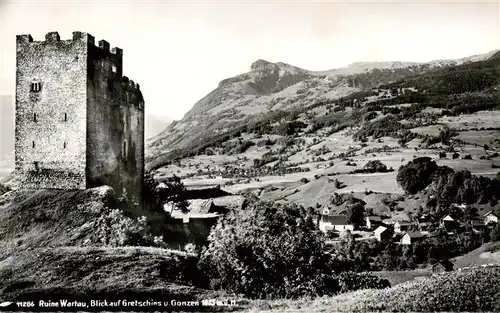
155, 125
273, 87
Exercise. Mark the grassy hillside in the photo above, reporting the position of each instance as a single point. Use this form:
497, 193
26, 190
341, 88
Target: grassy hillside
78, 244
92, 273
52, 218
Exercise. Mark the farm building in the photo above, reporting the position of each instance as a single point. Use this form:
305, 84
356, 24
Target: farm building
478, 224
423, 223
490, 217
373, 222
334, 222
199, 209
383, 233
442, 266
411, 237
402, 226
449, 223
424, 226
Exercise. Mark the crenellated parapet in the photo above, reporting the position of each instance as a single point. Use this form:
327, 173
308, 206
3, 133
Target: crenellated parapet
53, 37
132, 91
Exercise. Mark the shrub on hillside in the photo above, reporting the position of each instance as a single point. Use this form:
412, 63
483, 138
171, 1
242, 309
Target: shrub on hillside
416, 175
374, 166
174, 191
350, 281
244, 146
495, 232
369, 116
388, 126
290, 128
4, 189
266, 142
268, 251
462, 187
355, 214
125, 231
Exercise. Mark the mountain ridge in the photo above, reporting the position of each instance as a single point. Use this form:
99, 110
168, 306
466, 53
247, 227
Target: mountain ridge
276, 86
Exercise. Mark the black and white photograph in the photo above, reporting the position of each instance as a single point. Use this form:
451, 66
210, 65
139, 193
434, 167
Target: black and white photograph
249, 156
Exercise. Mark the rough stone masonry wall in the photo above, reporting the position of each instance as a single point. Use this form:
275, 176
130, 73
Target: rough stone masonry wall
115, 132
59, 145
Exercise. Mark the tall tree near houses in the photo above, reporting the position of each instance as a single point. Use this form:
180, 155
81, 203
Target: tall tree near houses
174, 193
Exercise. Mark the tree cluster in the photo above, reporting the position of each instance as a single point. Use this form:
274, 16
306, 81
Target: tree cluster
272, 250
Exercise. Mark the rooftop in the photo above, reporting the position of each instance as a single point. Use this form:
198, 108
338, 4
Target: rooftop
375, 218
335, 219
414, 234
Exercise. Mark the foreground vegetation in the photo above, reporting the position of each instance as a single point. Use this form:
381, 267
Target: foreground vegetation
475, 290
276, 251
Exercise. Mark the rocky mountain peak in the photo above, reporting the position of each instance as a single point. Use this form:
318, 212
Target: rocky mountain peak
259, 64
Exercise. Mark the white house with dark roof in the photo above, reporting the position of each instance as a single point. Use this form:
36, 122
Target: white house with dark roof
402, 226
411, 237
373, 222
490, 217
383, 233
334, 222
449, 223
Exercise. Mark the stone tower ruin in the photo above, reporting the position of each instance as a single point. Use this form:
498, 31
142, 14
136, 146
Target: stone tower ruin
79, 121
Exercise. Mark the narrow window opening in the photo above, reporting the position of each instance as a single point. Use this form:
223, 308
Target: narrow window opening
35, 87
125, 148
65, 117
36, 164
34, 117
33, 144
65, 145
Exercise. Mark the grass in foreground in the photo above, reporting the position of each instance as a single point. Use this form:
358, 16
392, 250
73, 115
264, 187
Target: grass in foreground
462, 291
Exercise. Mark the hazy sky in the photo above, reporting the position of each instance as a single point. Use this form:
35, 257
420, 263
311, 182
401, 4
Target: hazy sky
178, 52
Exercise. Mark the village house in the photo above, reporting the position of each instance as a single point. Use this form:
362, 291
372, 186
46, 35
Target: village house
449, 223
396, 237
478, 225
373, 222
424, 226
402, 226
490, 217
388, 222
423, 222
198, 209
411, 237
442, 266
461, 206
329, 222
383, 233
207, 208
